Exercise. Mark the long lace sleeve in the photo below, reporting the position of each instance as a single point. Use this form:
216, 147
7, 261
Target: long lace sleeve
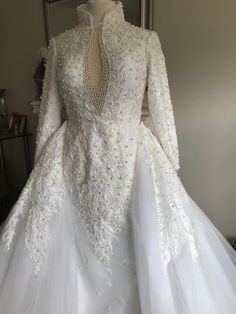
159, 100
51, 105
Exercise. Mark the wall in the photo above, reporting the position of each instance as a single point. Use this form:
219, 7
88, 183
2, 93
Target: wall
198, 40
21, 33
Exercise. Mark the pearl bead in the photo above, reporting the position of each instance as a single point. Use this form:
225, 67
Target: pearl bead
97, 94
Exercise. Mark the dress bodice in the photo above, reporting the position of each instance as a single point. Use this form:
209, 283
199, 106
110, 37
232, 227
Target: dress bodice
134, 61
124, 67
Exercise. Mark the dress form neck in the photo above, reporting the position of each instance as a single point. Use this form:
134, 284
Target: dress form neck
98, 8
111, 17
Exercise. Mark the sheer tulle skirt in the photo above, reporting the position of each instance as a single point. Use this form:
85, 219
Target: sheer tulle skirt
207, 286
72, 280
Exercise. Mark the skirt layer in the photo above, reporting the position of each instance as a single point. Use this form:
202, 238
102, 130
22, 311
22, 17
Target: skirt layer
207, 286
73, 281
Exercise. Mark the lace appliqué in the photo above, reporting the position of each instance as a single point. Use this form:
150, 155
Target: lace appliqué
172, 203
159, 100
50, 115
44, 190
100, 184
39, 201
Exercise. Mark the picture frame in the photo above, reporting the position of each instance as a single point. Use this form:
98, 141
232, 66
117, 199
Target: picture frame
17, 123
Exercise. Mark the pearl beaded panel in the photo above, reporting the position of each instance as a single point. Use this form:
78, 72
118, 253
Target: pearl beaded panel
96, 62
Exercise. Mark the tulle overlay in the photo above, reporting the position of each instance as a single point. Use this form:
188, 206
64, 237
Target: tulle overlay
73, 281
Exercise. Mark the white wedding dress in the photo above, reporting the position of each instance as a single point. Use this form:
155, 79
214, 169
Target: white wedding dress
104, 224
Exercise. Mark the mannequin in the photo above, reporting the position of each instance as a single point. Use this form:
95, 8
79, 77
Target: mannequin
98, 8
96, 55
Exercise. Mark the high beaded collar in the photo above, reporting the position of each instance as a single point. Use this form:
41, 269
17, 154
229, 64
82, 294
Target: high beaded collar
113, 17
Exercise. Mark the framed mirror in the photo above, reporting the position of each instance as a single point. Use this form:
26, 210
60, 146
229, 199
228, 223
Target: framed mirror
61, 14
